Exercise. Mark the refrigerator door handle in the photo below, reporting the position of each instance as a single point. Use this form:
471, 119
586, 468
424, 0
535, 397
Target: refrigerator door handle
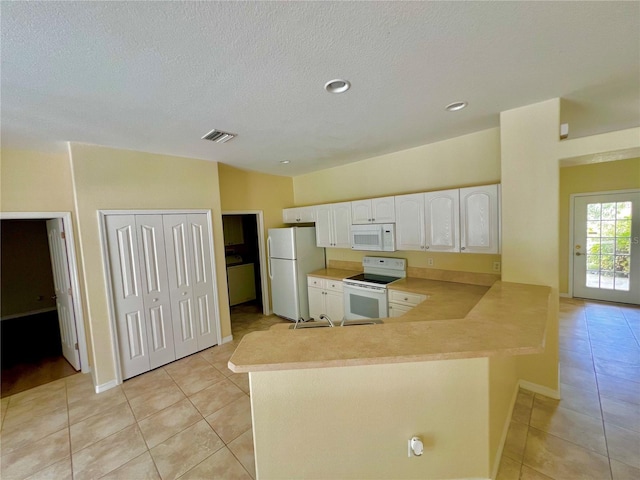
269, 257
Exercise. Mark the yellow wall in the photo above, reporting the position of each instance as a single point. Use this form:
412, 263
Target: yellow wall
463, 161
596, 177
110, 179
35, 182
530, 185
354, 422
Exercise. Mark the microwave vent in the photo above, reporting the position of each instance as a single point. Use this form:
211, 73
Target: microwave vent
219, 136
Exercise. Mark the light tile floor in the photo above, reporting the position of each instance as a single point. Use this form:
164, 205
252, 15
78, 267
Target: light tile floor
190, 419
594, 431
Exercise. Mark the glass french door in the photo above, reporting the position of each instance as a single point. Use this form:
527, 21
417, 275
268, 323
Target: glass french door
606, 247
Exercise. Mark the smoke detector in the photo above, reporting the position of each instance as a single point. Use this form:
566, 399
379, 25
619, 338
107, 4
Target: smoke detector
219, 136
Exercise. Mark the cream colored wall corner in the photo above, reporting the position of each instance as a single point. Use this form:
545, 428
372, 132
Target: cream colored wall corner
32, 181
354, 422
530, 230
594, 177
246, 190
111, 179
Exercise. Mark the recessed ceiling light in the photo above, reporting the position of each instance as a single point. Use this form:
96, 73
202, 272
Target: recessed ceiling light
337, 86
284, 162
455, 106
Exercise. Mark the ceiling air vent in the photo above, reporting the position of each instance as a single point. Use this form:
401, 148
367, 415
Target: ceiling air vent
218, 136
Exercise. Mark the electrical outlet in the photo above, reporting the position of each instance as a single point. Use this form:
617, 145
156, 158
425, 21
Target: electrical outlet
496, 266
430, 262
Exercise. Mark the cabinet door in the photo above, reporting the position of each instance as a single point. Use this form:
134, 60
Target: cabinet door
179, 265
361, 212
383, 210
127, 295
202, 280
316, 302
410, 222
289, 215
324, 234
155, 289
397, 310
307, 214
341, 223
479, 226
334, 305
233, 230
442, 220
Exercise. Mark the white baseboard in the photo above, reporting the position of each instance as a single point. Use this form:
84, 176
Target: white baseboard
106, 386
505, 431
26, 314
565, 295
541, 389
227, 339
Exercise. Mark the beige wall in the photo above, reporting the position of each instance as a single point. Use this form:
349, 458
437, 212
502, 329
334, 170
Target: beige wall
35, 182
530, 186
463, 161
596, 177
354, 422
110, 179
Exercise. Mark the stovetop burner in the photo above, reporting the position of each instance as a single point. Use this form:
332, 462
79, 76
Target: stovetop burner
373, 278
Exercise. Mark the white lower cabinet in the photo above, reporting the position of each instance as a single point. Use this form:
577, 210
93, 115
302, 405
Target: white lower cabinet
325, 297
401, 302
162, 287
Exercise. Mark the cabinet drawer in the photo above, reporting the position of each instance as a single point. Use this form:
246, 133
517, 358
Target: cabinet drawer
335, 285
316, 282
397, 309
406, 298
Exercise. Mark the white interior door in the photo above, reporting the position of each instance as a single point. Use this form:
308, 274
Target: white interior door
202, 280
155, 289
62, 286
179, 266
127, 294
606, 247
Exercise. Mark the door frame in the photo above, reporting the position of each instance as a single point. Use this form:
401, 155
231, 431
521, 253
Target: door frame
102, 226
72, 264
261, 254
572, 207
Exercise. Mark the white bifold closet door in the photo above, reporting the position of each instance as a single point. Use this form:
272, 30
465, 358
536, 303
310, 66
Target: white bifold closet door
190, 285
162, 288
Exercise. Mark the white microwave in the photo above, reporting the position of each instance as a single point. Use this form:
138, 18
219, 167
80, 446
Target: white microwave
379, 237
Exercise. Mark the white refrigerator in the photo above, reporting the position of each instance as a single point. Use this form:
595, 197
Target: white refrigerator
292, 254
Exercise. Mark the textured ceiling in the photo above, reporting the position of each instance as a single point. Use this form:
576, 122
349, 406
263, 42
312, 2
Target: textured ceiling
156, 76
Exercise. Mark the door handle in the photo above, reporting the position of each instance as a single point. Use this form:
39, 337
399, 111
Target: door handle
578, 254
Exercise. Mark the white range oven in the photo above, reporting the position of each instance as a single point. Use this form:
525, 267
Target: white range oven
365, 294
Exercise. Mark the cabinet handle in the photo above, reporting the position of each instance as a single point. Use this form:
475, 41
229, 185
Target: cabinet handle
184, 293
406, 299
155, 299
427, 247
463, 248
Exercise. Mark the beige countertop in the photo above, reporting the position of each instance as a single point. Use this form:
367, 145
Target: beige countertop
456, 321
334, 273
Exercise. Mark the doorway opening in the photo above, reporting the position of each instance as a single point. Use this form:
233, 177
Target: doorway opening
246, 264
38, 327
605, 246
41, 310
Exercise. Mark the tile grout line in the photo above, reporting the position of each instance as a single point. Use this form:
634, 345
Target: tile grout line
593, 361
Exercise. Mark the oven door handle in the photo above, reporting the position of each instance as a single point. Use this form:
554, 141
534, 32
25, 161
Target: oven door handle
364, 289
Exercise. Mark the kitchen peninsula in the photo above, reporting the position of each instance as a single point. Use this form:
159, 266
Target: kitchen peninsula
342, 402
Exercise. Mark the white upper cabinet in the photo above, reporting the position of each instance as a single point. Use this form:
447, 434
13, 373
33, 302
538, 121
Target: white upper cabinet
410, 222
479, 219
333, 225
299, 215
375, 210
442, 221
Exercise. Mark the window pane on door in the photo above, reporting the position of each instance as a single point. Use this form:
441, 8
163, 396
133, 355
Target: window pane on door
608, 245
